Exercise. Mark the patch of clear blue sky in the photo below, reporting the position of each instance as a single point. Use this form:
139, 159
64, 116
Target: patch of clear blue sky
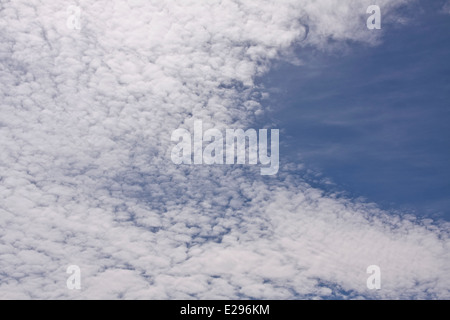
375, 120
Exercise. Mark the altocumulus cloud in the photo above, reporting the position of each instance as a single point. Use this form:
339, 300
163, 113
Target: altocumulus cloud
86, 176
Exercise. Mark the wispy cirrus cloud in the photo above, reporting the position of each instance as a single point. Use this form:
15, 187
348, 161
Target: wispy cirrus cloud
446, 7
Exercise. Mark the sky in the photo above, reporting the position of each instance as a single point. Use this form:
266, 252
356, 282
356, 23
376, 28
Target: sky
374, 119
86, 179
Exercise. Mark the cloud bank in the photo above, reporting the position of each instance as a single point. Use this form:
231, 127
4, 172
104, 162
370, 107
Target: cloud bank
86, 176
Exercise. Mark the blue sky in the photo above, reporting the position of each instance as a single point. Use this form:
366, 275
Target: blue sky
375, 120
90, 97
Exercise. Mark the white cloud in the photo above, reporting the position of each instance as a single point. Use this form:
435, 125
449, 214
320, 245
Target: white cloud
86, 177
446, 7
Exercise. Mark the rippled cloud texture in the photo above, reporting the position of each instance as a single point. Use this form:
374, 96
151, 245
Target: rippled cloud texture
86, 177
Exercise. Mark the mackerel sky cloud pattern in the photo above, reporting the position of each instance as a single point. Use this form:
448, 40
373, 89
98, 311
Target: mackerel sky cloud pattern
86, 177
